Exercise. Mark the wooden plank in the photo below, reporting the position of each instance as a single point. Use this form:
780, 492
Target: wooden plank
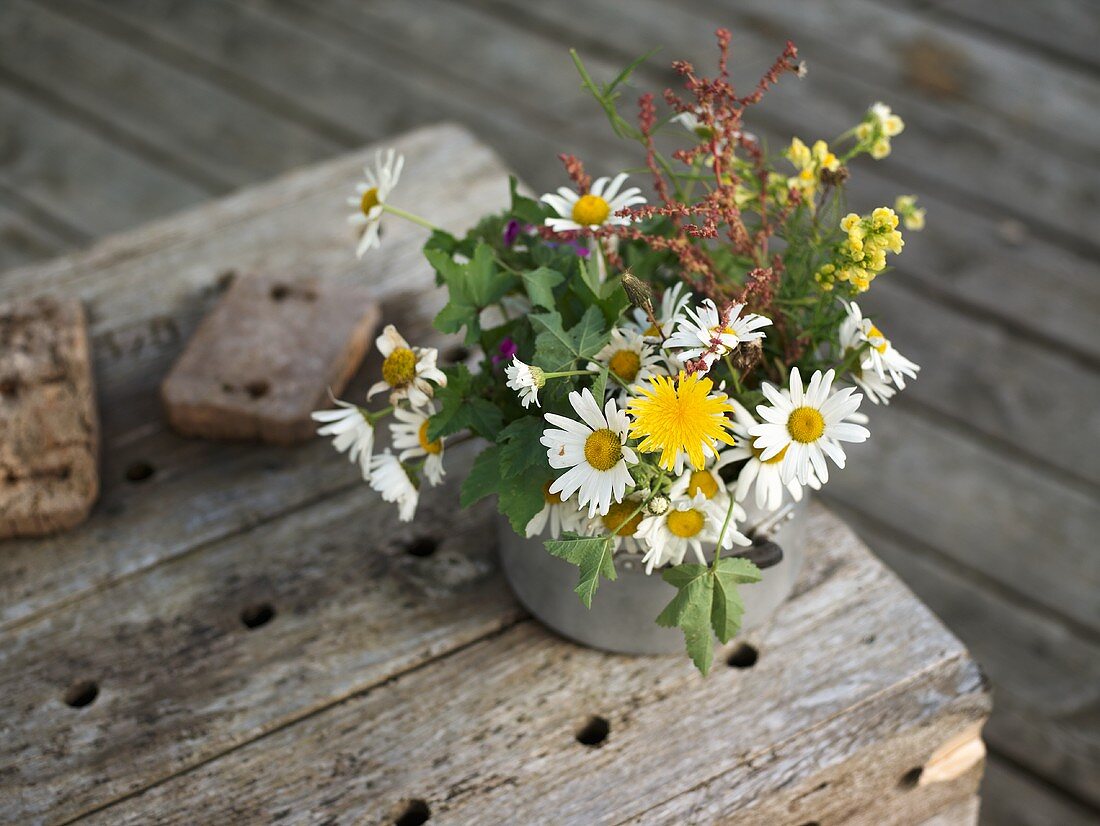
1010, 795
145, 292
58, 165
23, 241
1049, 725
224, 140
963, 813
502, 748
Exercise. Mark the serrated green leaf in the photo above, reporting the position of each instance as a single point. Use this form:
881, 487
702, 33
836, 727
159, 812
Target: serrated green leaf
728, 608
525, 209
593, 555
520, 450
520, 503
690, 611
590, 334
540, 285
599, 386
471, 287
483, 478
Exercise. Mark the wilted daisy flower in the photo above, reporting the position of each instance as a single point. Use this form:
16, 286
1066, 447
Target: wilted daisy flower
351, 431
410, 435
687, 525
406, 370
595, 208
559, 514
630, 358
808, 425
371, 194
593, 449
855, 331
762, 475
525, 380
695, 335
681, 418
389, 477
674, 301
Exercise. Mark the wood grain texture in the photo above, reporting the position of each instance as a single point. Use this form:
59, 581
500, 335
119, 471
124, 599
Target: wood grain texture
826, 695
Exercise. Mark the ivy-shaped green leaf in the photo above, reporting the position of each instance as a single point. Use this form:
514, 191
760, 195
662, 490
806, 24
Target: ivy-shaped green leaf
593, 555
690, 611
471, 287
462, 407
483, 478
540, 284
727, 609
520, 503
520, 450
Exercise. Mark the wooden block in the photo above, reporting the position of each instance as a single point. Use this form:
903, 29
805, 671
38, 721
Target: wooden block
266, 356
49, 429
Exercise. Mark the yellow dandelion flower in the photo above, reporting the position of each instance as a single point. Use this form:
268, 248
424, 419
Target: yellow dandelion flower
680, 418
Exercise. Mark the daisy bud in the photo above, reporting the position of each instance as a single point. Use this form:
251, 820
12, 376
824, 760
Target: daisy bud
658, 505
638, 292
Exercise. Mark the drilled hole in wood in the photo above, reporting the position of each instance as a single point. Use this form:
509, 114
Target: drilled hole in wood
593, 732
424, 546
279, 292
9, 388
743, 656
257, 389
911, 778
456, 354
810, 823
81, 693
411, 813
139, 471
256, 615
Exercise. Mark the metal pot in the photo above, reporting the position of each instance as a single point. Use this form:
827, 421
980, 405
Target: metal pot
623, 611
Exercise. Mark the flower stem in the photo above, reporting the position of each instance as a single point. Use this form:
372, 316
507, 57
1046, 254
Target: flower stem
565, 373
408, 216
722, 533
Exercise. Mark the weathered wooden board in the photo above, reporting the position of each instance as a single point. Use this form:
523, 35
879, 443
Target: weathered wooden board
22, 241
145, 292
1010, 795
852, 660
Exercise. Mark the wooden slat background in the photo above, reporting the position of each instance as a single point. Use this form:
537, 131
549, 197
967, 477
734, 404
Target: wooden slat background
981, 484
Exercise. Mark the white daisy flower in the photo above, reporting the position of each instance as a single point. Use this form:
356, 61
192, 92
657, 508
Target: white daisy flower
371, 194
807, 425
351, 431
526, 381
389, 477
763, 476
621, 522
687, 525
593, 449
409, 434
707, 481
631, 359
674, 301
559, 514
406, 370
855, 331
695, 334
594, 209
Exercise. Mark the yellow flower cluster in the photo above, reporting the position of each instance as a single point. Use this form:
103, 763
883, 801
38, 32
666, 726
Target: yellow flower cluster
912, 216
862, 255
809, 163
875, 130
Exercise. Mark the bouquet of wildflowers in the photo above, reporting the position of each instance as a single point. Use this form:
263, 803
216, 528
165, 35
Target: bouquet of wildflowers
649, 362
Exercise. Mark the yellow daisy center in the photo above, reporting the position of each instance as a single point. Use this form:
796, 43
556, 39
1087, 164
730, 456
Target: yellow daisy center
620, 518
591, 210
702, 481
399, 368
652, 331
875, 332
422, 437
774, 460
369, 200
680, 414
551, 498
805, 424
685, 524
602, 449
625, 364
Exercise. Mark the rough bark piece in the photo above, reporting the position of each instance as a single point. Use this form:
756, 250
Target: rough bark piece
49, 430
267, 355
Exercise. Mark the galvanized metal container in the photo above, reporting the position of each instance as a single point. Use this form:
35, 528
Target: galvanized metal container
623, 612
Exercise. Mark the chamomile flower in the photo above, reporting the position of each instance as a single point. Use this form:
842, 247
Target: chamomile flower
406, 371
759, 475
559, 514
621, 521
807, 425
704, 480
703, 328
629, 357
351, 430
685, 526
392, 482
379, 180
410, 435
593, 209
681, 418
674, 301
881, 357
594, 450
526, 380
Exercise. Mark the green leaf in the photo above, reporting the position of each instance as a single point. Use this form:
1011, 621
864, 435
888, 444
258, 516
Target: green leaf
523, 208
520, 450
589, 335
471, 287
599, 386
540, 285
593, 555
461, 407
520, 503
690, 611
727, 608
481, 416
483, 478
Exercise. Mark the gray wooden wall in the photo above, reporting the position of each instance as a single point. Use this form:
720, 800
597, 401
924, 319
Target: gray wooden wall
980, 484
